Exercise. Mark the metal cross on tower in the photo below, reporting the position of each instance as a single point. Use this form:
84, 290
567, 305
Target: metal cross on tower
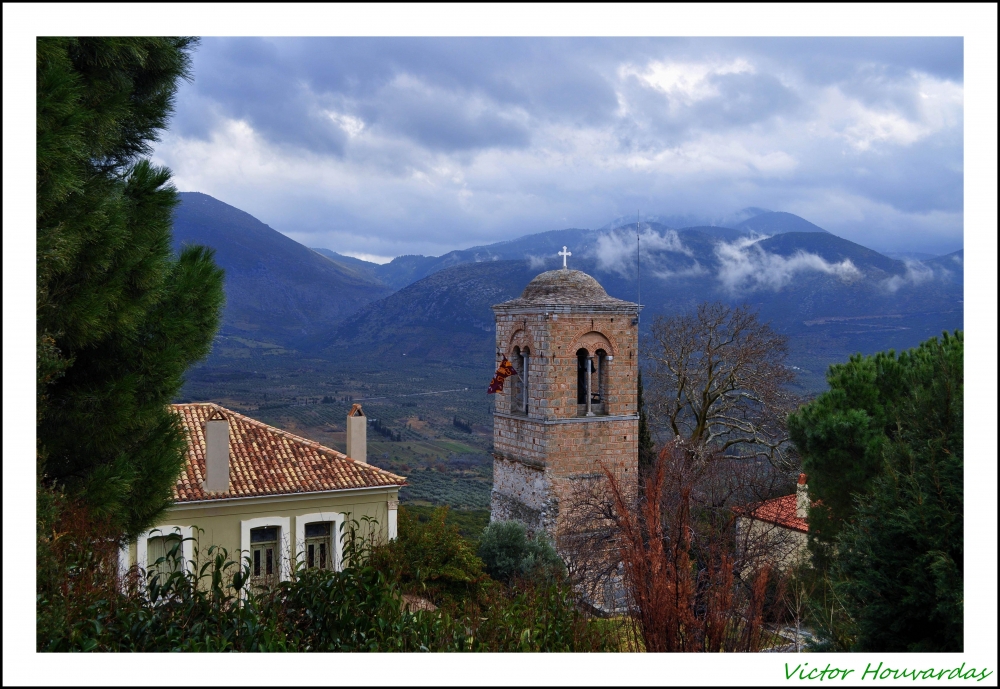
564, 254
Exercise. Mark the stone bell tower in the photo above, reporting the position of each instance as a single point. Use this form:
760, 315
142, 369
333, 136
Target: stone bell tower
572, 408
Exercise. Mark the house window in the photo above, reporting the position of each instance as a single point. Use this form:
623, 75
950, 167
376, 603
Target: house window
171, 545
164, 555
318, 545
264, 556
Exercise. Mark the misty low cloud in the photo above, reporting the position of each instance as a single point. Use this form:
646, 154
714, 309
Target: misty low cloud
537, 262
616, 251
693, 270
917, 273
744, 266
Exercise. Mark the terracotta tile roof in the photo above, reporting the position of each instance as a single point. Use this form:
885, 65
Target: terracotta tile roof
780, 511
265, 460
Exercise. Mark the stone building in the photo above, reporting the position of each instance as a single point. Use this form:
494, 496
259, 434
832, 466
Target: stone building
778, 528
572, 407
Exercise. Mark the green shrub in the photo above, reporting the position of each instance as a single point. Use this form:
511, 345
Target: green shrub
361, 608
470, 523
509, 553
537, 615
431, 558
83, 605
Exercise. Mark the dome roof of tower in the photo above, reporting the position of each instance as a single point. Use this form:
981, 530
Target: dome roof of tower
565, 287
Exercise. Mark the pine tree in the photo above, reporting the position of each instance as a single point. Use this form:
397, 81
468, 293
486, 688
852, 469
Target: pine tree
884, 453
899, 562
844, 433
119, 317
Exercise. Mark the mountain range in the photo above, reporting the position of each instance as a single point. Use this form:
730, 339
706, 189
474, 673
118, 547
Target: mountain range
832, 297
276, 289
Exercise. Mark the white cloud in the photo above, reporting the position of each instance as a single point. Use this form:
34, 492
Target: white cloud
536, 262
937, 105
744, 266
616, 251
693, 270
916, 273
685, 82
352, 126
372, 258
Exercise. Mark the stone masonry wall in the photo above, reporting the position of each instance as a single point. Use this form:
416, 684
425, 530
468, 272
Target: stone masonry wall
521, 492
552, 341
539, 456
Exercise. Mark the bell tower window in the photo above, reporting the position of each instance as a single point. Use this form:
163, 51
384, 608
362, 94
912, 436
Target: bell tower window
591, 382
519, 386
584, 382
525, 357
599, 401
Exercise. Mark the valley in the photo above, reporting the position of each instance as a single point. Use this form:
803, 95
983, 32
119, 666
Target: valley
307, 333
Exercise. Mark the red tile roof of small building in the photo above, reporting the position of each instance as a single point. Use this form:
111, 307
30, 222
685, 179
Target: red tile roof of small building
265, 460
780, 511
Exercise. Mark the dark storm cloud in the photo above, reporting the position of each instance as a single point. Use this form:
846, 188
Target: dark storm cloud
247, 79
737, 100
426, 142
447, 94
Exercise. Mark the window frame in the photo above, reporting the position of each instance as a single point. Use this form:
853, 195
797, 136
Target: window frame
284, 531
337, 519
187, 544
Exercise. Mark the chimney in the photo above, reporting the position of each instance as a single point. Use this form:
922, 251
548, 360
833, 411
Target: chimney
217, 454
357, 434
802, 498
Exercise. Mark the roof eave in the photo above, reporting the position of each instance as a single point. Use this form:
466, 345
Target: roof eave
285, 497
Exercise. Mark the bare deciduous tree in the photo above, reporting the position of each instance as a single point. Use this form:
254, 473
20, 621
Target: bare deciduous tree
670, 559
680, 561
718, 378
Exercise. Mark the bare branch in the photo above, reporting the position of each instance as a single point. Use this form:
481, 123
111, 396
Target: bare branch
718, 378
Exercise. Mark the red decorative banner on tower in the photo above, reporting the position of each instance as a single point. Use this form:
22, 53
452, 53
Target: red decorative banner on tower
505, 371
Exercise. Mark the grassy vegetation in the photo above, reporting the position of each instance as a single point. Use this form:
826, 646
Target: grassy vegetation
622, 632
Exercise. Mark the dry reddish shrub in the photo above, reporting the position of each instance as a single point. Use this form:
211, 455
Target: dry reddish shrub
683, 591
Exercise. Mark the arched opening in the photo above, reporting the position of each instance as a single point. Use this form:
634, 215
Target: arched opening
584, 381
525, 391
591, 382
521, 360
599, 402
517, 383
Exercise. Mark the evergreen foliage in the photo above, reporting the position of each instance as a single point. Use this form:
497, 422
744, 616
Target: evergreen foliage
900, 559
508, 553
385, 431
468, 523
844, 433
431, 558
119, 318
884, 453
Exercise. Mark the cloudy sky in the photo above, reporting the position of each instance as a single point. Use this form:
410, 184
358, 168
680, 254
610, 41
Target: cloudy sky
382, 147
